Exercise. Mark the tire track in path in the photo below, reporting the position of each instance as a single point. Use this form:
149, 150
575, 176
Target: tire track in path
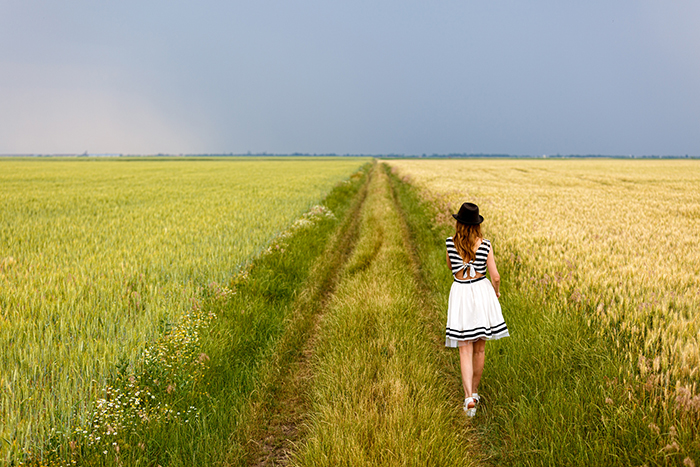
280, 405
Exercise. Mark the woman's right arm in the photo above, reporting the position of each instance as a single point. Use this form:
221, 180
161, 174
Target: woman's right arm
449, 263
493, 272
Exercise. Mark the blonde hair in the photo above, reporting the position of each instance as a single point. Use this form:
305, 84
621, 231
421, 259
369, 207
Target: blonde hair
465, 240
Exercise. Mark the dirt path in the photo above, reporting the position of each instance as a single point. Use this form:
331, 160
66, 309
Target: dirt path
356, 379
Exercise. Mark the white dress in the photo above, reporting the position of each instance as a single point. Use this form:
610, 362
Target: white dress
473, 311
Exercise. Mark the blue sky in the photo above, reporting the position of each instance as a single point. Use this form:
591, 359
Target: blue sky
372, 77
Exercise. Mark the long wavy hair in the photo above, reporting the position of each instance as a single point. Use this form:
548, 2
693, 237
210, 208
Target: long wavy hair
465, 240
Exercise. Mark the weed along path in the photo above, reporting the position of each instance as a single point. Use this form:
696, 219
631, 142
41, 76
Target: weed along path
364, 385
282, 402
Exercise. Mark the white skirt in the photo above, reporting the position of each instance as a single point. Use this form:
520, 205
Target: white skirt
474, 313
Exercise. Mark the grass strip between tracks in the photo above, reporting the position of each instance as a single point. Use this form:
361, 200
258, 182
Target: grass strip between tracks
378, 393
553, 392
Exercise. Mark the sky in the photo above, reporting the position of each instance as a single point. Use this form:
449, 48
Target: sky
355, 77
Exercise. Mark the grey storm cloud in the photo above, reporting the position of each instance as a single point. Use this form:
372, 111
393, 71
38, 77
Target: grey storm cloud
372, 77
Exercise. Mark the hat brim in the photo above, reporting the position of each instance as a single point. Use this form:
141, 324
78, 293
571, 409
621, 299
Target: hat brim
481, 219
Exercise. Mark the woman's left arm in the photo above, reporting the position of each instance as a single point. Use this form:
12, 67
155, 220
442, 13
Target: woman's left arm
493, 272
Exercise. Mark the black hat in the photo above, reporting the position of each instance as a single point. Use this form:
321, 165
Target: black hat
469, 214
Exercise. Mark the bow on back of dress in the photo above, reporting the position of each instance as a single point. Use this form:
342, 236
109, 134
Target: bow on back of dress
464, 266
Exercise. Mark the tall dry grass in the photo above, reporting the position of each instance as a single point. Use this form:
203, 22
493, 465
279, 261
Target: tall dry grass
558, 391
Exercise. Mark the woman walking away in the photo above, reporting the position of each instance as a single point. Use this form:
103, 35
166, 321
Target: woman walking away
474, 313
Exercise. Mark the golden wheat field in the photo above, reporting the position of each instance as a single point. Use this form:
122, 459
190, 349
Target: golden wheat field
615, 238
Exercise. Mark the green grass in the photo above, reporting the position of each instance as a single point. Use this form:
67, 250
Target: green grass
553, 391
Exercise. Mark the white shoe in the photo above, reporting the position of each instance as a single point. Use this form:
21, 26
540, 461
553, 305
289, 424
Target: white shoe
470, 406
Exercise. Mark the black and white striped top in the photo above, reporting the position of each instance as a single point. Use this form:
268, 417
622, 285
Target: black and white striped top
472, 267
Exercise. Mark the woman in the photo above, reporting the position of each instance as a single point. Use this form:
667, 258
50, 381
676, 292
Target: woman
474, 313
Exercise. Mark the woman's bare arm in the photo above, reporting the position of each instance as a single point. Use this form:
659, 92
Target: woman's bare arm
493, 272
449, 263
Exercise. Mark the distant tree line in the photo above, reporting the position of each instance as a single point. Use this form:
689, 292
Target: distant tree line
379, 156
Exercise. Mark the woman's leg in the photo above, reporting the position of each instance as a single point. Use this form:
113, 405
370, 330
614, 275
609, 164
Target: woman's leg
467, 366
478, 357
